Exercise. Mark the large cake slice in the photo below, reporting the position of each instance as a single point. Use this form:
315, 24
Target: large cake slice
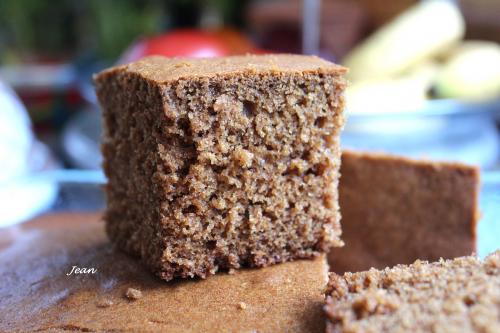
220, 163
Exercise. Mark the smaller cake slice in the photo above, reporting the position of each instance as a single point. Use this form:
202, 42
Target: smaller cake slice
396, 210
460, 295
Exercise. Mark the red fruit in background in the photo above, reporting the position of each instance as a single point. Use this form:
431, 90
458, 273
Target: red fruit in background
191, 43
177, 43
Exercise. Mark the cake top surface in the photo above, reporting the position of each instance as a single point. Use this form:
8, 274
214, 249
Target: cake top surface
460, 295
37, 294
163, 70
381, 158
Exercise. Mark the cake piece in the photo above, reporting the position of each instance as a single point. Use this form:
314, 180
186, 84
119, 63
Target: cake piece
396, 210
37, 294
220, 163
460, 295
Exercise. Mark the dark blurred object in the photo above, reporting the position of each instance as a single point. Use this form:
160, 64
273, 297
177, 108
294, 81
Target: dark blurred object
114, 24
37, 30
482, 18
47, 90
382, 11
58, 30
61, 29
278, 25
190, 13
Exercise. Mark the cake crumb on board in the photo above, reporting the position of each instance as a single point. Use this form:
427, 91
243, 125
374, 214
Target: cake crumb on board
133, 294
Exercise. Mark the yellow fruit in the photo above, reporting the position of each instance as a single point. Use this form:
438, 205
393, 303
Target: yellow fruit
424, 30
405, 93
472, 72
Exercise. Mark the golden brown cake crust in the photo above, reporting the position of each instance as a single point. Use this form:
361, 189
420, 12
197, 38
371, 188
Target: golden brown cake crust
222, 163
460, 295
168, 70
37, 295
396, 210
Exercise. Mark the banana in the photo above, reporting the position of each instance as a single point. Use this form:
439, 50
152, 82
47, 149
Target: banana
392, 95
425, 30
472, 72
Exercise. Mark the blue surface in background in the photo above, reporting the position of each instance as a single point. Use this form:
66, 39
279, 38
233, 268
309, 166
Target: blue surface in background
489, 224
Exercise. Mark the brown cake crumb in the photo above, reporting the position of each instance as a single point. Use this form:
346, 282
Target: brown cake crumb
242, 305
460, 295
213, 166
133, 294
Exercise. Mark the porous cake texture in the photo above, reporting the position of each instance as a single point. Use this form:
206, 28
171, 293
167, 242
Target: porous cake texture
396, 210
221, 163
460, 295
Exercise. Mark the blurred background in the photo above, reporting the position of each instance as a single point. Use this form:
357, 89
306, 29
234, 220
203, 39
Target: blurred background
424, 80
